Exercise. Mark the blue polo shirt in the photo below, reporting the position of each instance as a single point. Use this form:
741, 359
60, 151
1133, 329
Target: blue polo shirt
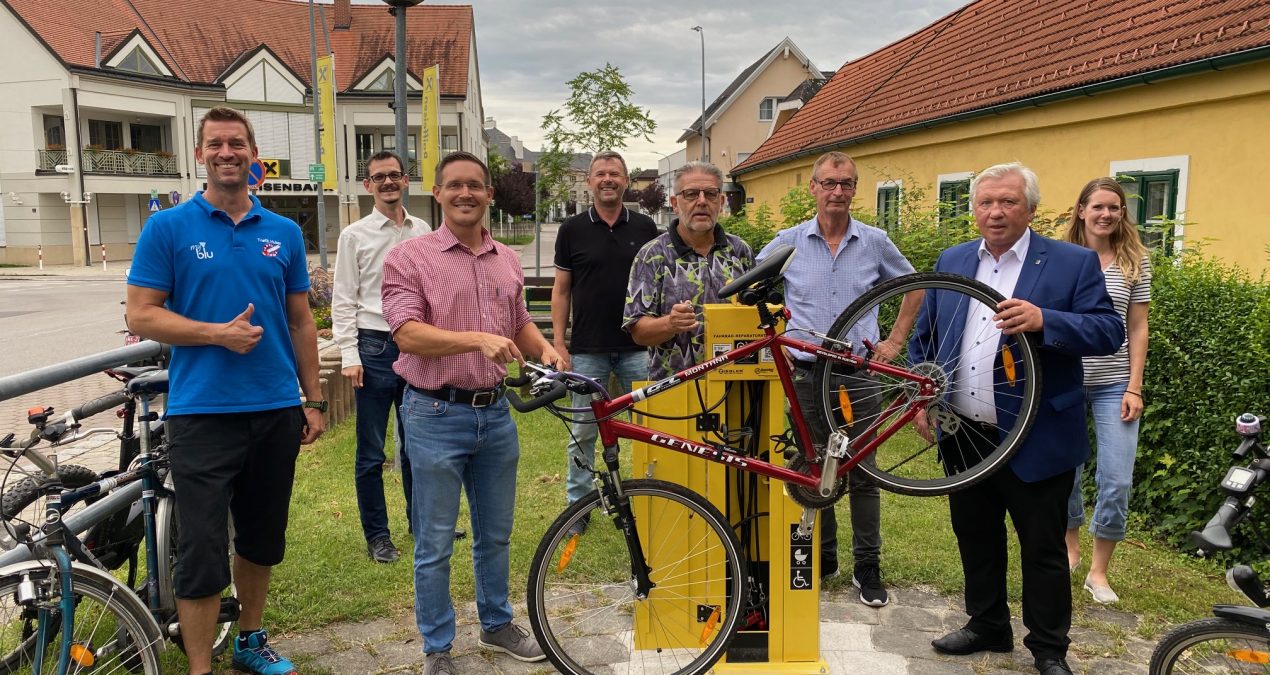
210, 269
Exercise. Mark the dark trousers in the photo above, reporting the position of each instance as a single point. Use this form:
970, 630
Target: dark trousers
863, 497
380, 392
1039, 513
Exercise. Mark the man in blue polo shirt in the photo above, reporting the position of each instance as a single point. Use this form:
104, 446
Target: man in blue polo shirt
226, 283
838, 259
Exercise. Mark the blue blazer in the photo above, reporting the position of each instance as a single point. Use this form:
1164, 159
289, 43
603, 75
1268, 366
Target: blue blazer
1066, 282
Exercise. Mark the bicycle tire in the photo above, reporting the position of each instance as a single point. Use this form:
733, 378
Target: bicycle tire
166, 550
1220, 645
904, 462
579, 593
25, 492
111, 625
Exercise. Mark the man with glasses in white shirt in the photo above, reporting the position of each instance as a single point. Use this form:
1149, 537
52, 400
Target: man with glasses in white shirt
367, 350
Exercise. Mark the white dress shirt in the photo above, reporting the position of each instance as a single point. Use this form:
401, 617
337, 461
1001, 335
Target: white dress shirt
359, 273
974, 395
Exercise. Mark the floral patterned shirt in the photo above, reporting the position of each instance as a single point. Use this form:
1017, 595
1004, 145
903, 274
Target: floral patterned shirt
668, 271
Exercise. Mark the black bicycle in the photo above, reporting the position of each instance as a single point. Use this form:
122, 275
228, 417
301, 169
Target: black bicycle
73, 534
1236, 639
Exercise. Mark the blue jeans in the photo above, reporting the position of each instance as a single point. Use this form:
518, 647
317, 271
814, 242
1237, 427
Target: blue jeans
453, 447
380, 392
628, 366
1117, 447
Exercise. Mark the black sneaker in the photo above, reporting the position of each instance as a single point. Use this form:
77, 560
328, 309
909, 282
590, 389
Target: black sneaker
868, 578
382, 551
578, 527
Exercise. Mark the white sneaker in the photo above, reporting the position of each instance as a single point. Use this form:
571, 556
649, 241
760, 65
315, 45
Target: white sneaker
1101, 594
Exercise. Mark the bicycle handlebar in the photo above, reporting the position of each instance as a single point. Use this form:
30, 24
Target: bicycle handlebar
99, 405
557, 391
1216, 533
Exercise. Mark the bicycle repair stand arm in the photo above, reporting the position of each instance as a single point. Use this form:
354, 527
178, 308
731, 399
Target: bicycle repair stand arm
784, 540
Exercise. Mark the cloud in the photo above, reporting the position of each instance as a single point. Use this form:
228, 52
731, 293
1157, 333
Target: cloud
529, 49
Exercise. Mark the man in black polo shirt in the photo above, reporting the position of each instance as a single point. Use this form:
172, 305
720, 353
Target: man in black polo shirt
594, 251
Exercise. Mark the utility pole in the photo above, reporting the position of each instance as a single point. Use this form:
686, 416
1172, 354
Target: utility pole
317, 140
702, 32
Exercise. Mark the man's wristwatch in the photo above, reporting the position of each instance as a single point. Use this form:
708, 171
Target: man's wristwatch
320, 405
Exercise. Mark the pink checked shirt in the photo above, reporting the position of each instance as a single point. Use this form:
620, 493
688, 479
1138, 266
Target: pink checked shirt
436, 280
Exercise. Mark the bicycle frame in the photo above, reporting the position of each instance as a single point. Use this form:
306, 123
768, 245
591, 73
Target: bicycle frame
610, 430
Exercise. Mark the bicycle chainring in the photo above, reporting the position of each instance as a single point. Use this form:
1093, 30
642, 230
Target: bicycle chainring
807, 497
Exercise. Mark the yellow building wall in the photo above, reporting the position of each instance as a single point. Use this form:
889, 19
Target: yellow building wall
1216, 120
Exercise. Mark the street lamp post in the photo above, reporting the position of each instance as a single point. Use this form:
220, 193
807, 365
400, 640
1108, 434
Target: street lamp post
398, 10
702, 32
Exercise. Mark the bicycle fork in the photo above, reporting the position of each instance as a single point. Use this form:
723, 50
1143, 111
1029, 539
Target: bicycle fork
616, 504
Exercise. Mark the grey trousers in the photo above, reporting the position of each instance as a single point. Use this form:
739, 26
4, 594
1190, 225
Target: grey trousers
863, 498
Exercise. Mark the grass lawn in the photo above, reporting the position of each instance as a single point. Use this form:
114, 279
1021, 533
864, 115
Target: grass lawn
327, 576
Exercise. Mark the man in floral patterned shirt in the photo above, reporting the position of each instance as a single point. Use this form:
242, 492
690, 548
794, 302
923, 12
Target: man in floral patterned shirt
681, 270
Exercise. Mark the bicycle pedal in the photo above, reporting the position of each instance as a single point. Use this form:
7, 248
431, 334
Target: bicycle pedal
230, 609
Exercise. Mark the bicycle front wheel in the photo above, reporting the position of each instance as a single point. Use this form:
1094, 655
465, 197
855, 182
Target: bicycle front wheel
582, 602
110, 634
1212, 645
982, 405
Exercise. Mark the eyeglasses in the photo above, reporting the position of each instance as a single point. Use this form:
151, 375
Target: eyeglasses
692, 195
457, 186
829, 185
393, 176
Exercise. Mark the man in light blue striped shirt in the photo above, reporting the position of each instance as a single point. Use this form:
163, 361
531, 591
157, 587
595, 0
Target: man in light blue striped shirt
838, 259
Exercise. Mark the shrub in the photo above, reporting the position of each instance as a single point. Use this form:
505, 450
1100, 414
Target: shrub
1208, 360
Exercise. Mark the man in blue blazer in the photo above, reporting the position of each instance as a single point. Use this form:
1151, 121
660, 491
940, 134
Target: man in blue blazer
1055, 291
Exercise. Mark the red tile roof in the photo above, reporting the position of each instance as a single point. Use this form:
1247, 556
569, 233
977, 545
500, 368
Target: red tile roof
995, 52
199, 45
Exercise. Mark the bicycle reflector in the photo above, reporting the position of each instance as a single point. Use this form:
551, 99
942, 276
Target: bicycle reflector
711, 623
844, 402
1250, 656
82, 655
567, 554
1007, 362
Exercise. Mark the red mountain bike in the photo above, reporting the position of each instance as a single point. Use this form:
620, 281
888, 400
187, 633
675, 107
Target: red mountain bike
618, 600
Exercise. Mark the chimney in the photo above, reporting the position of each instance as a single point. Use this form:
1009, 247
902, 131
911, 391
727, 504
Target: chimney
343, 15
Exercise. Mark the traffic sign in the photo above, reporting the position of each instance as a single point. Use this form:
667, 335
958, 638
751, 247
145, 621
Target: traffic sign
256, 175
175, 197
154, 204
317, 173
154, 193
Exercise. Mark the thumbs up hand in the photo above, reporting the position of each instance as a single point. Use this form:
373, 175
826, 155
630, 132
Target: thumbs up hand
239, 335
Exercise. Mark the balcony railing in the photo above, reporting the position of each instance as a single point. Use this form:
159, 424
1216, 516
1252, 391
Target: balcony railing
133, 163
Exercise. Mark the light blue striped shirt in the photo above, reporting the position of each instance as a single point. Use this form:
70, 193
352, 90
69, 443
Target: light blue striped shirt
818, 286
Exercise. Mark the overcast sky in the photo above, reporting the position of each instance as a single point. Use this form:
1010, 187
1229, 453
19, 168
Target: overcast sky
529, 49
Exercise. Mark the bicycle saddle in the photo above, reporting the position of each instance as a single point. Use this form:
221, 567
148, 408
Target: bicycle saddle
126, 373
152, 382
769, 270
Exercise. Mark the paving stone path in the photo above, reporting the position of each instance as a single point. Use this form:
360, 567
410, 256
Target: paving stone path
854, 639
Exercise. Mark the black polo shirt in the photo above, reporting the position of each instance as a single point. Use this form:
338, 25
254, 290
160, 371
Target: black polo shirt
599, 259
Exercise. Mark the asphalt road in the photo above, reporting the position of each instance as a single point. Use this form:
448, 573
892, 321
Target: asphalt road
47, 320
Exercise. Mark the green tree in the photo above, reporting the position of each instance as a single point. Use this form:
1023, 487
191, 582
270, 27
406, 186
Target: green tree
598, 115
498, 165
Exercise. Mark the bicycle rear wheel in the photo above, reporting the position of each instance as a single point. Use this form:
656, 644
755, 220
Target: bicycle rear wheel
167, 532
581, 599
968, 443
1212, 645
111, 632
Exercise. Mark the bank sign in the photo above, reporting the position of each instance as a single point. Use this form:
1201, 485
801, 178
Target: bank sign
289, 188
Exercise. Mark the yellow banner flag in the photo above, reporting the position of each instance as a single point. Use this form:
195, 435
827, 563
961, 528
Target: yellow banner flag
326, 99
430, 131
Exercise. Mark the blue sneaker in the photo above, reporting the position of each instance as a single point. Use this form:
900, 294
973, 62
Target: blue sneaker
254, 655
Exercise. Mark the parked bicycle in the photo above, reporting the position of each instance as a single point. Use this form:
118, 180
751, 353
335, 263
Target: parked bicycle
61, 609
677, 599
1236, 639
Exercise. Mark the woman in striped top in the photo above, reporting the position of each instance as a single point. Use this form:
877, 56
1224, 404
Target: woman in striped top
1113, 384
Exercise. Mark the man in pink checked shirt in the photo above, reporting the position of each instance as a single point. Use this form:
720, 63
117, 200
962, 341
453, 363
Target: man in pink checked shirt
454, 300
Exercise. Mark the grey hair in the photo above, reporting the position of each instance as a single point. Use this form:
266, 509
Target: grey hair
1031, 188
698, 167
607, 154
